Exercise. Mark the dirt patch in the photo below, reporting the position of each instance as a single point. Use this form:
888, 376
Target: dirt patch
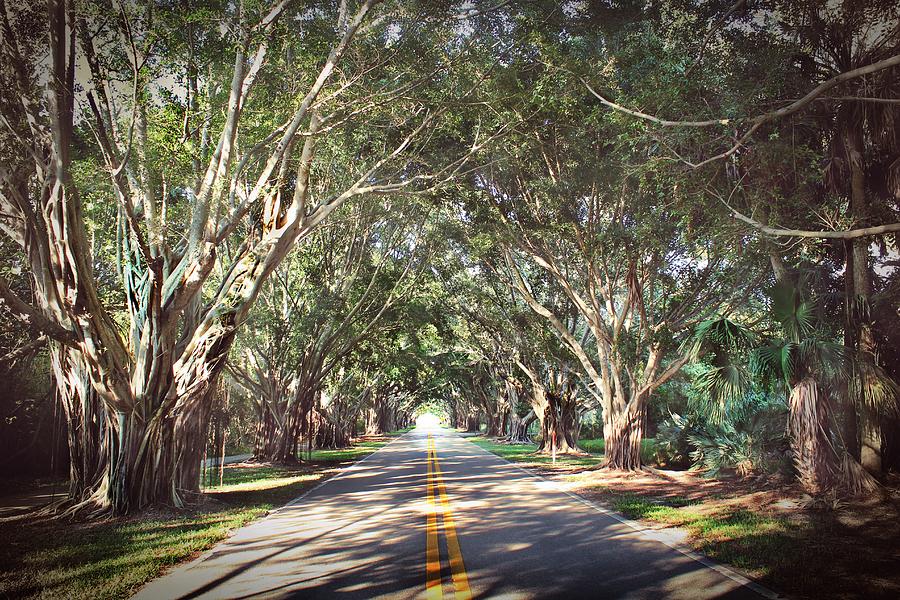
772, 494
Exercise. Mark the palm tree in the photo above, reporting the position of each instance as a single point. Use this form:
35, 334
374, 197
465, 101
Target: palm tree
864, 168
807, 365
810, 367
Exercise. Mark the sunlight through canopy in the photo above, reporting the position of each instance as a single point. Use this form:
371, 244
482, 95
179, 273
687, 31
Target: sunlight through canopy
428, 421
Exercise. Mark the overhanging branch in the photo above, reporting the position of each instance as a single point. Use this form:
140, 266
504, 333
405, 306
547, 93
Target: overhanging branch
849, 234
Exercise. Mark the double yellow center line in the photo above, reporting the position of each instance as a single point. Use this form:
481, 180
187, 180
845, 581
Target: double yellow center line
438, 503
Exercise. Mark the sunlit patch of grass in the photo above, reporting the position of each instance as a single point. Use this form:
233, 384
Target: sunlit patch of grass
114, 559
596, 446
525, 453
239, 475
108, 560
357, 451
266, 482
754, 541
400, 432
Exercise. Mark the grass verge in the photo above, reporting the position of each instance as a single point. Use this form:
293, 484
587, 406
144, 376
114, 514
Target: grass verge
112, 559
400, 432
596, 446
803, 553
755, 542
525, 453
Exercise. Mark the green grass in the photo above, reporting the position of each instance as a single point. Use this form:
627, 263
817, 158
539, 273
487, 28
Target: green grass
525, 453
757, 542
400, 432
113, 559
109, 561
355, 452
595, 446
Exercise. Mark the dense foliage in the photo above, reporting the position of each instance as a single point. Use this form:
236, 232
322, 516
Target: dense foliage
328, 218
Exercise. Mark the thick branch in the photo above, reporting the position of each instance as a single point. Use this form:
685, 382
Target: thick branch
850, 234
32, 319
757, 121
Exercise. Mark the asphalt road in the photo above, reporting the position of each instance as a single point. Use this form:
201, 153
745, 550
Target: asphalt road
404, 524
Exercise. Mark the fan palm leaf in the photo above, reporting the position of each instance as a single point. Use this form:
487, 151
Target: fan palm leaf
795, 315
722, 389
721, 336
775, 361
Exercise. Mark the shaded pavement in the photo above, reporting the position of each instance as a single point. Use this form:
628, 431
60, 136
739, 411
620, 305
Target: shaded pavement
362, 534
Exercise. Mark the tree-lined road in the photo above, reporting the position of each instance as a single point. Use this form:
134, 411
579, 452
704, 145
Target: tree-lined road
463, 522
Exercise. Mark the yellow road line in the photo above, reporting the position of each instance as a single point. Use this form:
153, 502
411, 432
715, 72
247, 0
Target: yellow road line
457, 566
433, 590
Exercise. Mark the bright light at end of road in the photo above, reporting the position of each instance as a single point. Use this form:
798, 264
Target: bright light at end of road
428, 421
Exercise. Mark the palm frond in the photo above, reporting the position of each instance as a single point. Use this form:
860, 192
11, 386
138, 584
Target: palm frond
784, 299
724, 447
873, 389
720, 335
827, 360
775, 361
722, 388
796, 315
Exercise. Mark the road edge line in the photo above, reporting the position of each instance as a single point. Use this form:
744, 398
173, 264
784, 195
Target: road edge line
341, 473
208, 553
646, 531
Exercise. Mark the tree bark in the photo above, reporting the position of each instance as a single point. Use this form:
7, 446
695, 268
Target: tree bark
559, 425
518, 431
622, 434
869, 423
473, 423
808, 425
380, 417
86, 422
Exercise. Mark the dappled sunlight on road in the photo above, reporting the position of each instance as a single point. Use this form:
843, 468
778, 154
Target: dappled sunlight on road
522, 537
333, 541
362, 535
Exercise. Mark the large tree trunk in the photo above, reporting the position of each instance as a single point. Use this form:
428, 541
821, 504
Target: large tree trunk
380, 417
559, 425
518, 431
505, 403
493, 429
813, 455
86, 422
277, 435
473, 423
869, 423
327, 433
192, 429
622, 434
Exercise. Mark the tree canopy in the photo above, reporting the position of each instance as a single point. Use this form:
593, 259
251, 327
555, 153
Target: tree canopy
665, 214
